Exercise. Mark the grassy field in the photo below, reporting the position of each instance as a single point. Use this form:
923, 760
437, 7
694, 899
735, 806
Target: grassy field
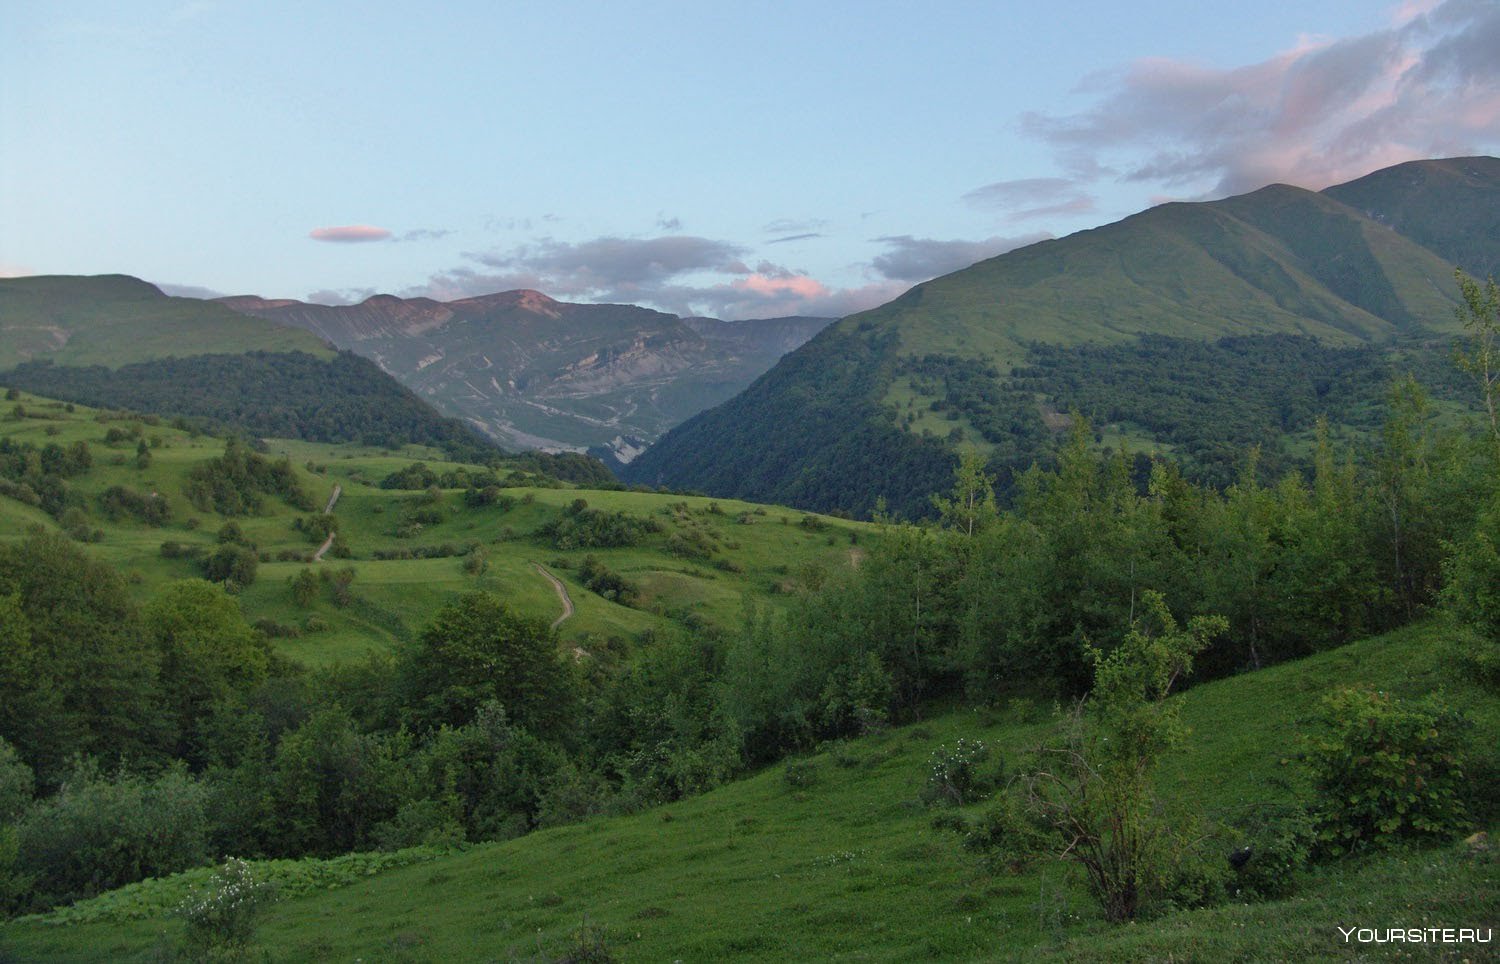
847, 865
708, 556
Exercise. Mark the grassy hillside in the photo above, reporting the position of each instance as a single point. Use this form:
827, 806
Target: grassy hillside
1434, 204
696, 569
842, 860
114, 319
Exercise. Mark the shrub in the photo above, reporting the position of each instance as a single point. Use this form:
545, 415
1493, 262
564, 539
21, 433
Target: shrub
954, 775
1274, 843
222, 917
800, 774
1384, 770
101, 832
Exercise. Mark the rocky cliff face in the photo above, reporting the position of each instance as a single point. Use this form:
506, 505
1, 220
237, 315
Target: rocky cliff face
538, 373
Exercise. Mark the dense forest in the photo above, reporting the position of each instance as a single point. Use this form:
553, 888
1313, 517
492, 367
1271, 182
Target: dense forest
1208, 401
818, 409
275, 394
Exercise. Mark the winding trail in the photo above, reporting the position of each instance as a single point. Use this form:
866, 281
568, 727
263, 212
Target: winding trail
328, 543
562, 595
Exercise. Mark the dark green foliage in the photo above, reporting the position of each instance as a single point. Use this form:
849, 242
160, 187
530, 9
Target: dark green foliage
231, 563
281, 394
37, 476
100, 832
583, 528
582, 470
1004, 412
235, 483
599, 578
811, 432
478, 649
1384, 770
1274, 843
117, 502
1214, 400
83, 680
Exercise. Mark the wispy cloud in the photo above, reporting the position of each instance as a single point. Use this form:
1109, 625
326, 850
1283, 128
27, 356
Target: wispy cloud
350, 234
188, 291
340, 296
795, 237
422, 234
920, 259
1321, 112
1033, 197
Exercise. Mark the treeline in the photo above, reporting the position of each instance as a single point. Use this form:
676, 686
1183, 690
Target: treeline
278, 394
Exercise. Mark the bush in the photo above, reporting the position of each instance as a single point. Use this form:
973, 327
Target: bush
1273, 845
1384, 770
222, 917
954, 776
101, 832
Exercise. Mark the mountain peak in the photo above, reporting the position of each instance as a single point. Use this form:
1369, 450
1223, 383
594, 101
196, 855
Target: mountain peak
524, 299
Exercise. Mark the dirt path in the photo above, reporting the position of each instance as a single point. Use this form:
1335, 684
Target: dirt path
328, 543
562, 595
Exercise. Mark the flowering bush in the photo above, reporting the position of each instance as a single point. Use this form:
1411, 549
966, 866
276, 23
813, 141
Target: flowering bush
953, 775
223, 915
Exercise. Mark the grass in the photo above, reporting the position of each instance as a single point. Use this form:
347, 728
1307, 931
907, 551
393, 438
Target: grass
747, 550
847, 864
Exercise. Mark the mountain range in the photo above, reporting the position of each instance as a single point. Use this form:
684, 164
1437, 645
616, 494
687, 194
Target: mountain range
533, 372
996, 353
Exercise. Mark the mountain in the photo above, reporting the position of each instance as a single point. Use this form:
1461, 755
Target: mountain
1449, 206
119, 342
116, 319
991, 355
535, 372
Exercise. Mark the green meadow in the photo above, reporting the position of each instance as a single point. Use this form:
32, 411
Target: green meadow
706, 558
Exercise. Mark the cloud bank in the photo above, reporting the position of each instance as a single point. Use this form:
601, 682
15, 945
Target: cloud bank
1323, 112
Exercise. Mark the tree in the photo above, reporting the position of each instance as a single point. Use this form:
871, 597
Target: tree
972, 504
1089, 801
1480, 317
478, 649
208, 653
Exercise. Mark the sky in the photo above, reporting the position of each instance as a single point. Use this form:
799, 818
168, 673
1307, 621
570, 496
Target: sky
733, 160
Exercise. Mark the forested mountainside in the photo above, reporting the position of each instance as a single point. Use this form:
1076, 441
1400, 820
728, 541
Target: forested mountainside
297, 395
535, 372
995, 355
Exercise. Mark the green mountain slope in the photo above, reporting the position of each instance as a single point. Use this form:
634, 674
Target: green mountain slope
846, 861
1448, 206
115, 319
1280, 261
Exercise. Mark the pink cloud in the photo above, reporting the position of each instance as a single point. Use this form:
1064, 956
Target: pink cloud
1319, 113
349, 234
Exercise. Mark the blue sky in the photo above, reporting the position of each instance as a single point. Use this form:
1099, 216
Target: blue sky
739, 160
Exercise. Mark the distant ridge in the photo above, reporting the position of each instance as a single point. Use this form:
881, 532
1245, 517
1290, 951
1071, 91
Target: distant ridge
537, 372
